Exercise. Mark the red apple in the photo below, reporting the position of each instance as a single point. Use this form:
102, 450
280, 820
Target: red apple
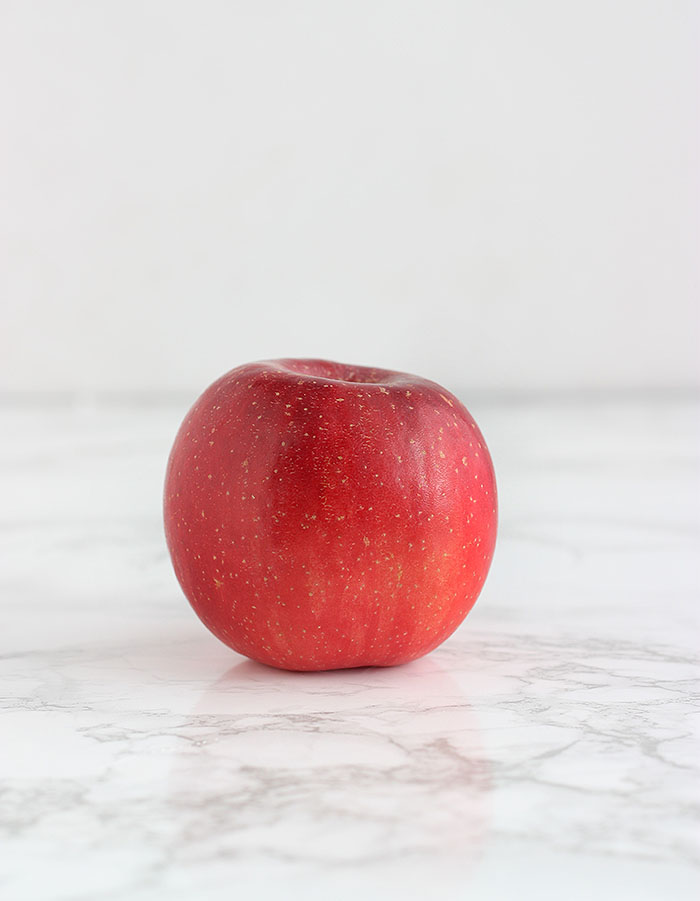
322, 516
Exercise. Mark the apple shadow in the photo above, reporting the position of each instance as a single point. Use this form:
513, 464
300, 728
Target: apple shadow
421, 674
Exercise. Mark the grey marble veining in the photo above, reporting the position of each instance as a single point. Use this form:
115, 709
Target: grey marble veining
548, 749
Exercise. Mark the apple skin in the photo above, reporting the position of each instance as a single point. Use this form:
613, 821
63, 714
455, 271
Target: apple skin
322, 516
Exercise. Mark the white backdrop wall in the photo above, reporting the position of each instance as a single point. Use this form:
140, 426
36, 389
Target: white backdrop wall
501, 195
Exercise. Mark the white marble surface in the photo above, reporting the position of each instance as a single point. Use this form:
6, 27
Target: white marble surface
548, 750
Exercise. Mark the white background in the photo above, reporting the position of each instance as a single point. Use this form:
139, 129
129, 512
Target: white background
500, 196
